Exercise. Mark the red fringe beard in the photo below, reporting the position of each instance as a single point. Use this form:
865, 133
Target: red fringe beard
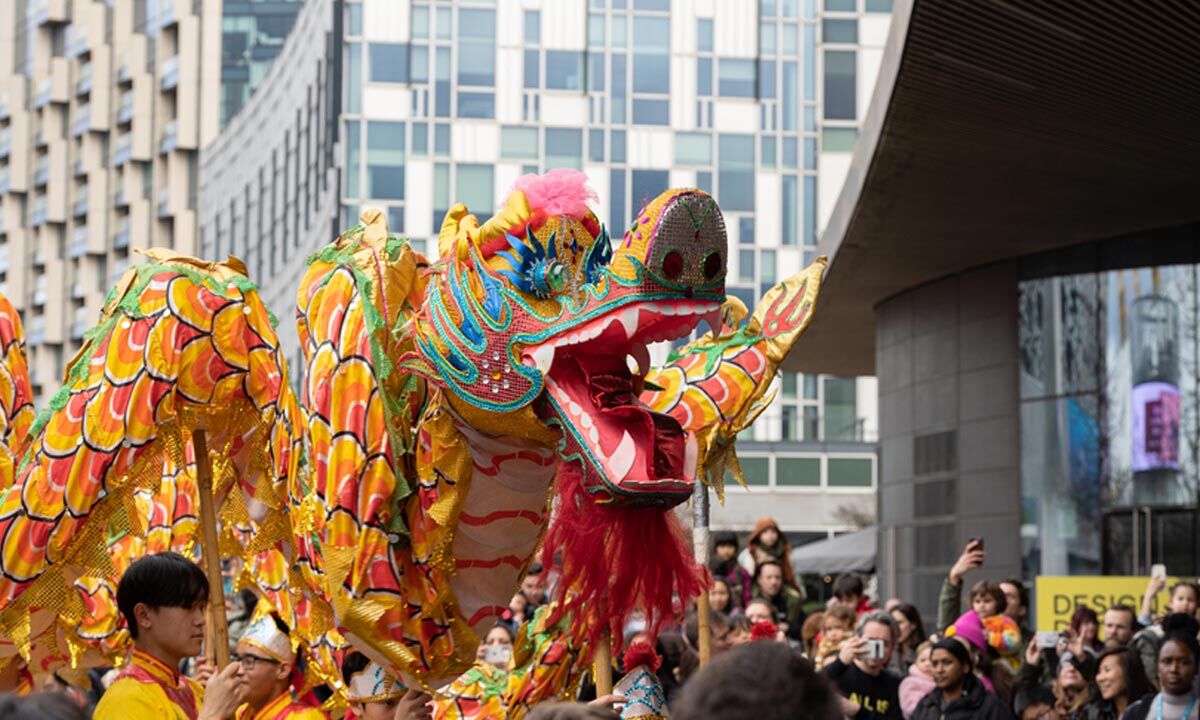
618, 560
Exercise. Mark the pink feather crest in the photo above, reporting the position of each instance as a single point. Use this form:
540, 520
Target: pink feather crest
561, 191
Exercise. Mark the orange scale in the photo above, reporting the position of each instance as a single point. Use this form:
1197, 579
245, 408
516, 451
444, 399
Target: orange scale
345, 460
141, 421
85, 481
341, 530
200, 370
353, 329
8, 386
23, 556
350, 390
379, 575
375, 489
375, 434
229, 393
258, 321
43, 488
124, 357
329, 306
752, 361
193, 303
104, 419
265, 378
164, 347
320, 368
230, 335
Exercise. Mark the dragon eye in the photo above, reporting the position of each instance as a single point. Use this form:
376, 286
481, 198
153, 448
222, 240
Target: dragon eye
549, 278
672, 265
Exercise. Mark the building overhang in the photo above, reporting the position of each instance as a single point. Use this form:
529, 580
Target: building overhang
999, 129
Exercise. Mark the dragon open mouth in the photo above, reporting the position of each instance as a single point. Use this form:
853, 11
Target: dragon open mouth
627, 451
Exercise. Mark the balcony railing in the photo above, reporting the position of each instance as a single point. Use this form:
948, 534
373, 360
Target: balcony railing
164, 198
79, 241
42, 96
38, 259
170, 72
122, 150
170, 137
39, 139
84, 86
125, 112
76, 290
121, 237
42, 175
80, 206
123, 75
83, 120
79, 170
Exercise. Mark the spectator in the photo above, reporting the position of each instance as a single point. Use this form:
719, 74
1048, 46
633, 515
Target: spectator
672, 648
950, 597
1000, 631
496, 648
919, 681
517, 612
768, 543
871, 689
739, 630
1084, 632
996, 677
788, 603
1177, 658
533, 587
1074, 684
1121, 681
1148, 640
1040, 706
724, 566
758, 681
837, 626
760, 610
959, 695
40, 706
1016, 606
810, 633
718, 624
912, 635
720, 596
1118, 626
848, 590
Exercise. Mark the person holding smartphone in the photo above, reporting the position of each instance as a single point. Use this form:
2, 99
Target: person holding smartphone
869, 690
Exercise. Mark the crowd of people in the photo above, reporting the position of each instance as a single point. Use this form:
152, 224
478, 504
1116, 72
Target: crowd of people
846, 658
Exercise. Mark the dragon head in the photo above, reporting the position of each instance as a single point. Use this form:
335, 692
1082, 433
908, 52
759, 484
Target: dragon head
536, 314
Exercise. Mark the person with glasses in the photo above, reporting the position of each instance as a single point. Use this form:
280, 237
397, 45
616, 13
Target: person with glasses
268, 663
163, 598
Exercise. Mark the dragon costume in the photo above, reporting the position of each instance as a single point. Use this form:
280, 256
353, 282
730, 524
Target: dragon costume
457, 415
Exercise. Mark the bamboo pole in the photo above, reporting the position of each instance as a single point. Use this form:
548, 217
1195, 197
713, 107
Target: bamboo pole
217, 628
602, 667
700, 521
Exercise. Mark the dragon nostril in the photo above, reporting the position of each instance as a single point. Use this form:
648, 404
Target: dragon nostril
672, 264
712, 265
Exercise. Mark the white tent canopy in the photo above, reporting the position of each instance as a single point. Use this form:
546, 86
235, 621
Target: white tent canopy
852, 552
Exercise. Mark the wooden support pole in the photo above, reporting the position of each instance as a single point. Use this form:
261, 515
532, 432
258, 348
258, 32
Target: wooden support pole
602, 667
700, 521
217, 636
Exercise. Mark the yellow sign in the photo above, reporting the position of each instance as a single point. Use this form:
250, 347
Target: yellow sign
1058, 596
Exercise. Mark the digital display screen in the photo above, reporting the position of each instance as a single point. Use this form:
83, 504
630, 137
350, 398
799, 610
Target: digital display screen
1155, 408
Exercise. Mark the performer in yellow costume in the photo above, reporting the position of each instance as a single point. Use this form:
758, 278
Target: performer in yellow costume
375, 694
163, 598
268, 661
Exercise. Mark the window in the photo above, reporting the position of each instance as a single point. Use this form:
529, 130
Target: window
791, 40
617, 139
596, 145
790, 383
810, 210
564, 148
704, 35
444, 31
616, 203
790, 203
735, 172
766, 78
651, 58
420, 22
651, 112
419, 66
533, 27
840, 5
879, 6
476, 105
839, 31
704, 87
420, 139
789, 90
810, 387
766, 38
441, 139
791, 153
354, 19
647, 184
693, 148
595, 72
353, 77
532, 68
798, 472
519, 143
850, 472
476, 47
389, 62
767, 150
841, 412
659, 5
746, 231
757, 471
595, 30
736, 78
353, 153
474, 187
836, 139
385, 160
395, 220
746, 266
564, 70
766, 272
840, 90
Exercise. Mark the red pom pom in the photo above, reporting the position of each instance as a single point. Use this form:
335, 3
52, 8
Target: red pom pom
639, 653
764, 630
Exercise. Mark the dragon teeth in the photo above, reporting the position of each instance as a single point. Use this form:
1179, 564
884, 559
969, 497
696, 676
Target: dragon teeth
543, 358
621, 461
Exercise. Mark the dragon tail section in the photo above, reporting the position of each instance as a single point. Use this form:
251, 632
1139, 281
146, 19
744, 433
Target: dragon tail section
16, 392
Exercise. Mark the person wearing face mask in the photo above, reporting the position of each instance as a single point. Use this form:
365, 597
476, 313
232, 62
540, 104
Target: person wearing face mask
869, 690
1121, 681
959, 695
1177, 657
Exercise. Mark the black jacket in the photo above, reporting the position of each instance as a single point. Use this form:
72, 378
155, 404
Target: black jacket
976, 703
879, 695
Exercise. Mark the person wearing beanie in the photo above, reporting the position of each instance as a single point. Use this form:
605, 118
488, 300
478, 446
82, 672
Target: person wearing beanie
723, 564
958, 695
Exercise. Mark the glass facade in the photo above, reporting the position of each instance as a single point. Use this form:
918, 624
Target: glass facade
252, 34
1110, 421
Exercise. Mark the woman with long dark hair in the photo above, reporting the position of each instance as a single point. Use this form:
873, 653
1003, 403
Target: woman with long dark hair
1121, 681
912, 634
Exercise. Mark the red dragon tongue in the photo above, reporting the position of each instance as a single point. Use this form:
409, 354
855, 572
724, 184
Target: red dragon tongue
618, 561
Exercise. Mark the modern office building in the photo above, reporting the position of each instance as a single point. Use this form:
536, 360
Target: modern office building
252, 35
757, 101
1015, 254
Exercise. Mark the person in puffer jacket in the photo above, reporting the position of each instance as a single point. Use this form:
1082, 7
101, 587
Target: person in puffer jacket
958, 695
919, 681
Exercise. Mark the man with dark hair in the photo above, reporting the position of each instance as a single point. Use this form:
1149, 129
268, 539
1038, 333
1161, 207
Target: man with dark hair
1119, 623
758, 681
376, 695
785, 599
862, 677
163, 598
267, 659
